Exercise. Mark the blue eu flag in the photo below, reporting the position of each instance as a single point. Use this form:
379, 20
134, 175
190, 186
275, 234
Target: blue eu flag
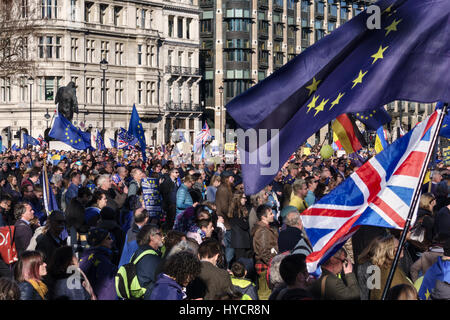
353, 69
445, 128
135, 128
113, 143
66, 132
27, 139
373, 119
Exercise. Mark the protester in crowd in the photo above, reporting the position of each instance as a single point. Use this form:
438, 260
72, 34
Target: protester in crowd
6, 215
224, 197
149, 240
96, 263
265, 244
212, 189
93, 208
429, 257
50, 239
256, 200
402, 292
240, 229
293, 171
72, 190
25, 225
179, 270
184, 199
29, 273
107, 222
292, 238
311, 183
168, 190
196, 191
299, 192
295, 275
437, 273
442, 221
9, 289
213, 279
12, 188
64, 265
241, 284
135, 184
384, 254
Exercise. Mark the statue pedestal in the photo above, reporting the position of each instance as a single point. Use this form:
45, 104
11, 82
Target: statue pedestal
58, 145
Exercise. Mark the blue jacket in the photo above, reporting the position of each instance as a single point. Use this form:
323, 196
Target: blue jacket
146, 267
166, 289
61, 290
100, 271
130, 245
27, 291
184, 199
90, 213
438, 271
72, 192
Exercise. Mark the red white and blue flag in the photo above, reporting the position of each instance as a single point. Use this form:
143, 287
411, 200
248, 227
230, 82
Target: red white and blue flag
202, 138
379, 193
42, 141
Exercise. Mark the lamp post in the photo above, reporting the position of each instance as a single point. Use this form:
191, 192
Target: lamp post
30, 82
104, 67
221, 113
47, 116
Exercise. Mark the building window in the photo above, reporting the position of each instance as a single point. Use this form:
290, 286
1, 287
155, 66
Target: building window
320, 6
23, 89
143, 13
5, 89
49, 9
105, 50
90, 87
236, 87
188, 28
106, 89
206, 26
149, 93
331, 26
102, 12
207, 51
58, 52
48, 87
118, 53
24, 9
305, 6
209, 89
73, 10
139, 54
238, 55
356, 10
50, 47
320, 32
90, 48
149, 55
23, 48
88, 11
332, 8
291, 4
139, 93
117, 16
238, 25
74, 49
171, 25
180, 27
180, 58
344, 13
119, 92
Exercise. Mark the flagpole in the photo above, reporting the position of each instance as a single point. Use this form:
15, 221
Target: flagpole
414, 202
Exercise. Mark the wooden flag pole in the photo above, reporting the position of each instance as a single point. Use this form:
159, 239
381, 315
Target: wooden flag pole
414, 203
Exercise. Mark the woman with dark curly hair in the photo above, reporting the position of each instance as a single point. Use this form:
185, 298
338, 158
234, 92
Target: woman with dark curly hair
179, 270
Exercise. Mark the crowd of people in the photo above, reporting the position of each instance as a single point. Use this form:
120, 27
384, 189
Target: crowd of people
208, 240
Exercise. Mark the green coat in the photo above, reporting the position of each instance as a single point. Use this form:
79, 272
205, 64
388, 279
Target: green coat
335, 288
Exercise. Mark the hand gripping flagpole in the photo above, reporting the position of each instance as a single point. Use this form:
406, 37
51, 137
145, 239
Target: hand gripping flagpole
414, 202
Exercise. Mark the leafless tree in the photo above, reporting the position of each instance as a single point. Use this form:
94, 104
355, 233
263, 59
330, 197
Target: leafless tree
17, 30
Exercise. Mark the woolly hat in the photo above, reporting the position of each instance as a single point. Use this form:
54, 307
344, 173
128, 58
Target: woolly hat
96, 236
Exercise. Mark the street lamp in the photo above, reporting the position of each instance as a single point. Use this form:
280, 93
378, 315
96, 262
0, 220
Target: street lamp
221, 113
104, 67
30, 82
47, 116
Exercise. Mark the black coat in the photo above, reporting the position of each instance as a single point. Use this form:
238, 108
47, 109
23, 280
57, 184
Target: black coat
46, 244
240, 233
22, 235
288, 238
168, 191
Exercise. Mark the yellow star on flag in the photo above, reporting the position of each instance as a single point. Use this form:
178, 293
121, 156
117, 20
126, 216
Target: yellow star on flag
393, 26
312, 104
336, 101
388, 9
313, 86
379, 54
427, 294
359, 78
321, 106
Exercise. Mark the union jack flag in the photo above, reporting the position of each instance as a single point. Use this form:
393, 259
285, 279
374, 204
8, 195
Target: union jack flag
41, 140
379, 193
125, 139
202, 137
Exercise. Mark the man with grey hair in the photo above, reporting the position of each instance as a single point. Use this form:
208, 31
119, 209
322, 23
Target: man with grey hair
150, 242
114, 199
292, 238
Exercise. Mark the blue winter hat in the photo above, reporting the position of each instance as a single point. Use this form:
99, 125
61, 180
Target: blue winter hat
96, 236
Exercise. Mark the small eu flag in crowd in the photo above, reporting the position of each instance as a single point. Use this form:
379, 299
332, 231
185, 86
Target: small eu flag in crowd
99, 141
135, 128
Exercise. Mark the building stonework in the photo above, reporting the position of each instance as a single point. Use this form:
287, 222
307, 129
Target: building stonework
152, 50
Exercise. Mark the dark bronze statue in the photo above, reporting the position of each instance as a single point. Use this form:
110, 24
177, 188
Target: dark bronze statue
66, 99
